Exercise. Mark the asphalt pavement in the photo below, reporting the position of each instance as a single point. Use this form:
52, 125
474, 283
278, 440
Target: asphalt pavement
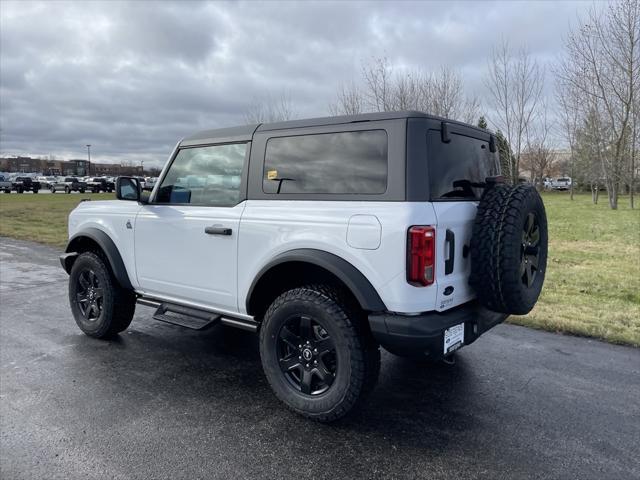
165, 402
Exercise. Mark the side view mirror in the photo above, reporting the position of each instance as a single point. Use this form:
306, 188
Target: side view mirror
128, 188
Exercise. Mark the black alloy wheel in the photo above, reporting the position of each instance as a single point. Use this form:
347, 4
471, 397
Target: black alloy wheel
307, 355
89, 295
317, 353
530, 250
100, 307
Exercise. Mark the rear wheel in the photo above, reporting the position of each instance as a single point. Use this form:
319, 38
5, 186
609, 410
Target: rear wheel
67, 190
101, 307
53, 190
317, 356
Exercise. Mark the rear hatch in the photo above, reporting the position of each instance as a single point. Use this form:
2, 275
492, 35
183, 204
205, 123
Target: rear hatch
453, 165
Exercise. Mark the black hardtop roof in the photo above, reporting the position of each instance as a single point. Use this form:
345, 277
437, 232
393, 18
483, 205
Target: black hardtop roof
245, 132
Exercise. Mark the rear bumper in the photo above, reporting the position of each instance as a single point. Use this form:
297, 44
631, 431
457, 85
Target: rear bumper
423, 335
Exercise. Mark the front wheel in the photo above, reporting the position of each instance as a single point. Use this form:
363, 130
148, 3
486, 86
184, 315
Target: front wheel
67, 190
100, 307
317, 354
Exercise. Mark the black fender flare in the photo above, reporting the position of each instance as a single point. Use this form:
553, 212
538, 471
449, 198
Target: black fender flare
362, 290
108, 247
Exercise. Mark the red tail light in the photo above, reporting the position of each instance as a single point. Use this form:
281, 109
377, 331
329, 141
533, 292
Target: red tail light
421, 255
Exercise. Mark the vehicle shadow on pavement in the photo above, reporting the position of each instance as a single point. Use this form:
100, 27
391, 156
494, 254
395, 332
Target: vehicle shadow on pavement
218, 372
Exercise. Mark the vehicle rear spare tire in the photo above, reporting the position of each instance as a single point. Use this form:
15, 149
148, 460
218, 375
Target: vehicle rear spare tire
509, 248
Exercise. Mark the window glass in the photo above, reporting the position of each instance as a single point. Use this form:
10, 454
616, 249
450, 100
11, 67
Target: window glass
334, 163
462, 161
205, 176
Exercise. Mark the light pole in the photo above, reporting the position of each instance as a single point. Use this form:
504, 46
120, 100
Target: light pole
142, 167
89, 157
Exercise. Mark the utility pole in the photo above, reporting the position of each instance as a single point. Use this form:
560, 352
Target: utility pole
89, 157
142, 167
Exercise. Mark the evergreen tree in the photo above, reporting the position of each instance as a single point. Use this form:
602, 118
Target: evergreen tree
482, 122
506, 155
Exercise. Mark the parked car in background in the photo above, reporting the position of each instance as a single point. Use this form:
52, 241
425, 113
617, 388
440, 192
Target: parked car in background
562, 183
150, 182
46, 182
68, 185
99, 184
5, 184
25, 184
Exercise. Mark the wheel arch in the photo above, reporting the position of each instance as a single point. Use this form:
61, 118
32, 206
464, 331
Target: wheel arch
309, 266
90, 239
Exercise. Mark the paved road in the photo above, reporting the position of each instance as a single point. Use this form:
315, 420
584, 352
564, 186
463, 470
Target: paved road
163, 402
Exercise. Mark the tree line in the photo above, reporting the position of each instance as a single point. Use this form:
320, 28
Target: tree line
595, 108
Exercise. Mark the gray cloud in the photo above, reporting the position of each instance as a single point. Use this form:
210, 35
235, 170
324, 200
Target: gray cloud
132, 78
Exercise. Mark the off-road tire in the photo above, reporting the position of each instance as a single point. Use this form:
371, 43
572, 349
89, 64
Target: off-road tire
357, 354
499, 251
117, 306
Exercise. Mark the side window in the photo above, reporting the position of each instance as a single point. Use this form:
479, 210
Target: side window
331, 163
209, 176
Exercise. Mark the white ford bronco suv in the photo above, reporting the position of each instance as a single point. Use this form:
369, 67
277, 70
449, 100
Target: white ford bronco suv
329, 237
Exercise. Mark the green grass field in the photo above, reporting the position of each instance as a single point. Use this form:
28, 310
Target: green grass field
593, 276
592, 287
42, 217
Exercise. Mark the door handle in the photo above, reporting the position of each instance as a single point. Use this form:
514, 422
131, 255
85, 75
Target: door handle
450, 238
217, 230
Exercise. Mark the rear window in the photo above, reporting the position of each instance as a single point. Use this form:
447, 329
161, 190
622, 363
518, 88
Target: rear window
455, 165
331, 163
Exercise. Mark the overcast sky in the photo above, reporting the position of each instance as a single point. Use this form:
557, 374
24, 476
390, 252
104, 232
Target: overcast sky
132, 78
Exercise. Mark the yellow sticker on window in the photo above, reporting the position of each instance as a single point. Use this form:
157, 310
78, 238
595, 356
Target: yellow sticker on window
272, 174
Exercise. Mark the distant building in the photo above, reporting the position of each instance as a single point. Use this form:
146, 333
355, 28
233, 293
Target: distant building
75, 167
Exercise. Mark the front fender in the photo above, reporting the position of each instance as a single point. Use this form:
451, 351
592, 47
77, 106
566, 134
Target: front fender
106, 245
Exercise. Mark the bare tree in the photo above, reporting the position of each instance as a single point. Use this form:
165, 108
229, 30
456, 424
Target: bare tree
538, 157
515, 83
381, 89
270, 109
570, 110
377, 79
635, 149
603, 63
349, 101
446, 98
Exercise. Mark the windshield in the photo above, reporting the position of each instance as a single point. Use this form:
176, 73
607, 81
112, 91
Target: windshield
456, 166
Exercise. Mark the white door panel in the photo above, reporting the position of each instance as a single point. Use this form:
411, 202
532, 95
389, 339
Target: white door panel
176, 258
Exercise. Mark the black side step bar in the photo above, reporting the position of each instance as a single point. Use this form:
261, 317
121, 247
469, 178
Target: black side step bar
186, 317
194, 318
